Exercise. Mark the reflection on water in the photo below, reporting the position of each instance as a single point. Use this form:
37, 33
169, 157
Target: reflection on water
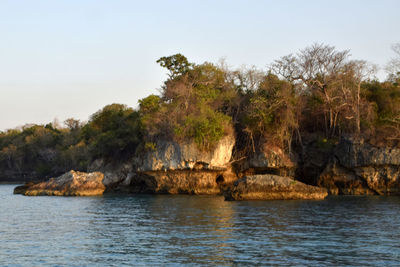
164, 229
117, 230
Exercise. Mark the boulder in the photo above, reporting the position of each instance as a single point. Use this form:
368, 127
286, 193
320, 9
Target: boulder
71, 183
268, 187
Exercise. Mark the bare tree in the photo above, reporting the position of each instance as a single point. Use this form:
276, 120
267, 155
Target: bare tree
360, 71
72, 124
246, 79
393, 66
316, 70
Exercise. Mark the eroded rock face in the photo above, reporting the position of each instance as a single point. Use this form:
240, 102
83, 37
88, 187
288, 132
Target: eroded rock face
170, 155
314, 156
69, 184
174, 168
200, 182
269, 159
359, 154
268, 187
359, 168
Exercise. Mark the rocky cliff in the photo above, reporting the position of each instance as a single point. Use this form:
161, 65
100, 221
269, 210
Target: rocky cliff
170, 155
172, 168
184, 168
358, 168
349, 167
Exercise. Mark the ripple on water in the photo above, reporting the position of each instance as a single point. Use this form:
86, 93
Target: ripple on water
119, 230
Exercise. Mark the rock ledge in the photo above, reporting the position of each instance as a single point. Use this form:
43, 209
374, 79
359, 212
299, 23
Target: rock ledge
71, 183
268, 187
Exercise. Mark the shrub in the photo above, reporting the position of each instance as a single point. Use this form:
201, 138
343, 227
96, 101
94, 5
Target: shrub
113, 132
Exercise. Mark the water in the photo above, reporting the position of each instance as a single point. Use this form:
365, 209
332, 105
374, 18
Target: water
117, 230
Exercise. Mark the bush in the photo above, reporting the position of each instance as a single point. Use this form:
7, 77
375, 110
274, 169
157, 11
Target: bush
113, 132
194, 104
205, 129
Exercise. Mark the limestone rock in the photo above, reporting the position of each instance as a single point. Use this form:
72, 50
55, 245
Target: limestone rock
69, 184
356, 153
268, 187
181, 168
22, 188
341, 181
269, 159
358, 168
170, 155
115, 174
199, 182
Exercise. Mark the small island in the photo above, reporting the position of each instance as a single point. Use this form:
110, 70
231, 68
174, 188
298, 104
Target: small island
314, 123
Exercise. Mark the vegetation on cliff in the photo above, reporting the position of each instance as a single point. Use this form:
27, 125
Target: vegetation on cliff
194, 104
319, 90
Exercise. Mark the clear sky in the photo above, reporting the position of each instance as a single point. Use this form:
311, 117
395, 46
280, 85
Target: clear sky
69, 58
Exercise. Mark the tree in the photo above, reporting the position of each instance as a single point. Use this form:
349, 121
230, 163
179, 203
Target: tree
195, 104
176, 64
270, 114
393, 66
72, 124
330, 82
151, 116
386, 98
113, 132
358, 71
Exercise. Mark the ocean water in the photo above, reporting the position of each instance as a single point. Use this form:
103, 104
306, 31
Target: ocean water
165, 230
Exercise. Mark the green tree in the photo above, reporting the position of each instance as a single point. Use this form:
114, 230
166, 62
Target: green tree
176, 64
114, 132
193, 101
270, 113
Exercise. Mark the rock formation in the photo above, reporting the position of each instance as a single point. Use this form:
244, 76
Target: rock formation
170, 155
172, 168
69, 184
268, 187
269, 159
183, 168
358, 168
350, 167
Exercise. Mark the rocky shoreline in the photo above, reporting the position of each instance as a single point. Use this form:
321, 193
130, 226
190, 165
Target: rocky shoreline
351, 168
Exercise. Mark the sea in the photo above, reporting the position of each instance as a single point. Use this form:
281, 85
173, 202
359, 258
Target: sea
189, 230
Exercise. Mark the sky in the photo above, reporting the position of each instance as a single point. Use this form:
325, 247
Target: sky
69, 58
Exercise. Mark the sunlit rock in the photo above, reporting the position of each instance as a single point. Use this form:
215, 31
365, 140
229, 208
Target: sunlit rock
170, 155
268, 187
71, 183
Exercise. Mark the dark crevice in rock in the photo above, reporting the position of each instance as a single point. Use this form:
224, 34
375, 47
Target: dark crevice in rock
220, 179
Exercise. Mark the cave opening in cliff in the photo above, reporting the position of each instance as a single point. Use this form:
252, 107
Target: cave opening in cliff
220, 179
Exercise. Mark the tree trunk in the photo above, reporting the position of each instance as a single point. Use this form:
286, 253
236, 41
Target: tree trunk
358, 110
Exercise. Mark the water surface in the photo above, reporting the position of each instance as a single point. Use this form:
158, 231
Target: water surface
116, 230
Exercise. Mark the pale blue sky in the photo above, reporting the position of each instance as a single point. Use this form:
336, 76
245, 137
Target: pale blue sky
61, 59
